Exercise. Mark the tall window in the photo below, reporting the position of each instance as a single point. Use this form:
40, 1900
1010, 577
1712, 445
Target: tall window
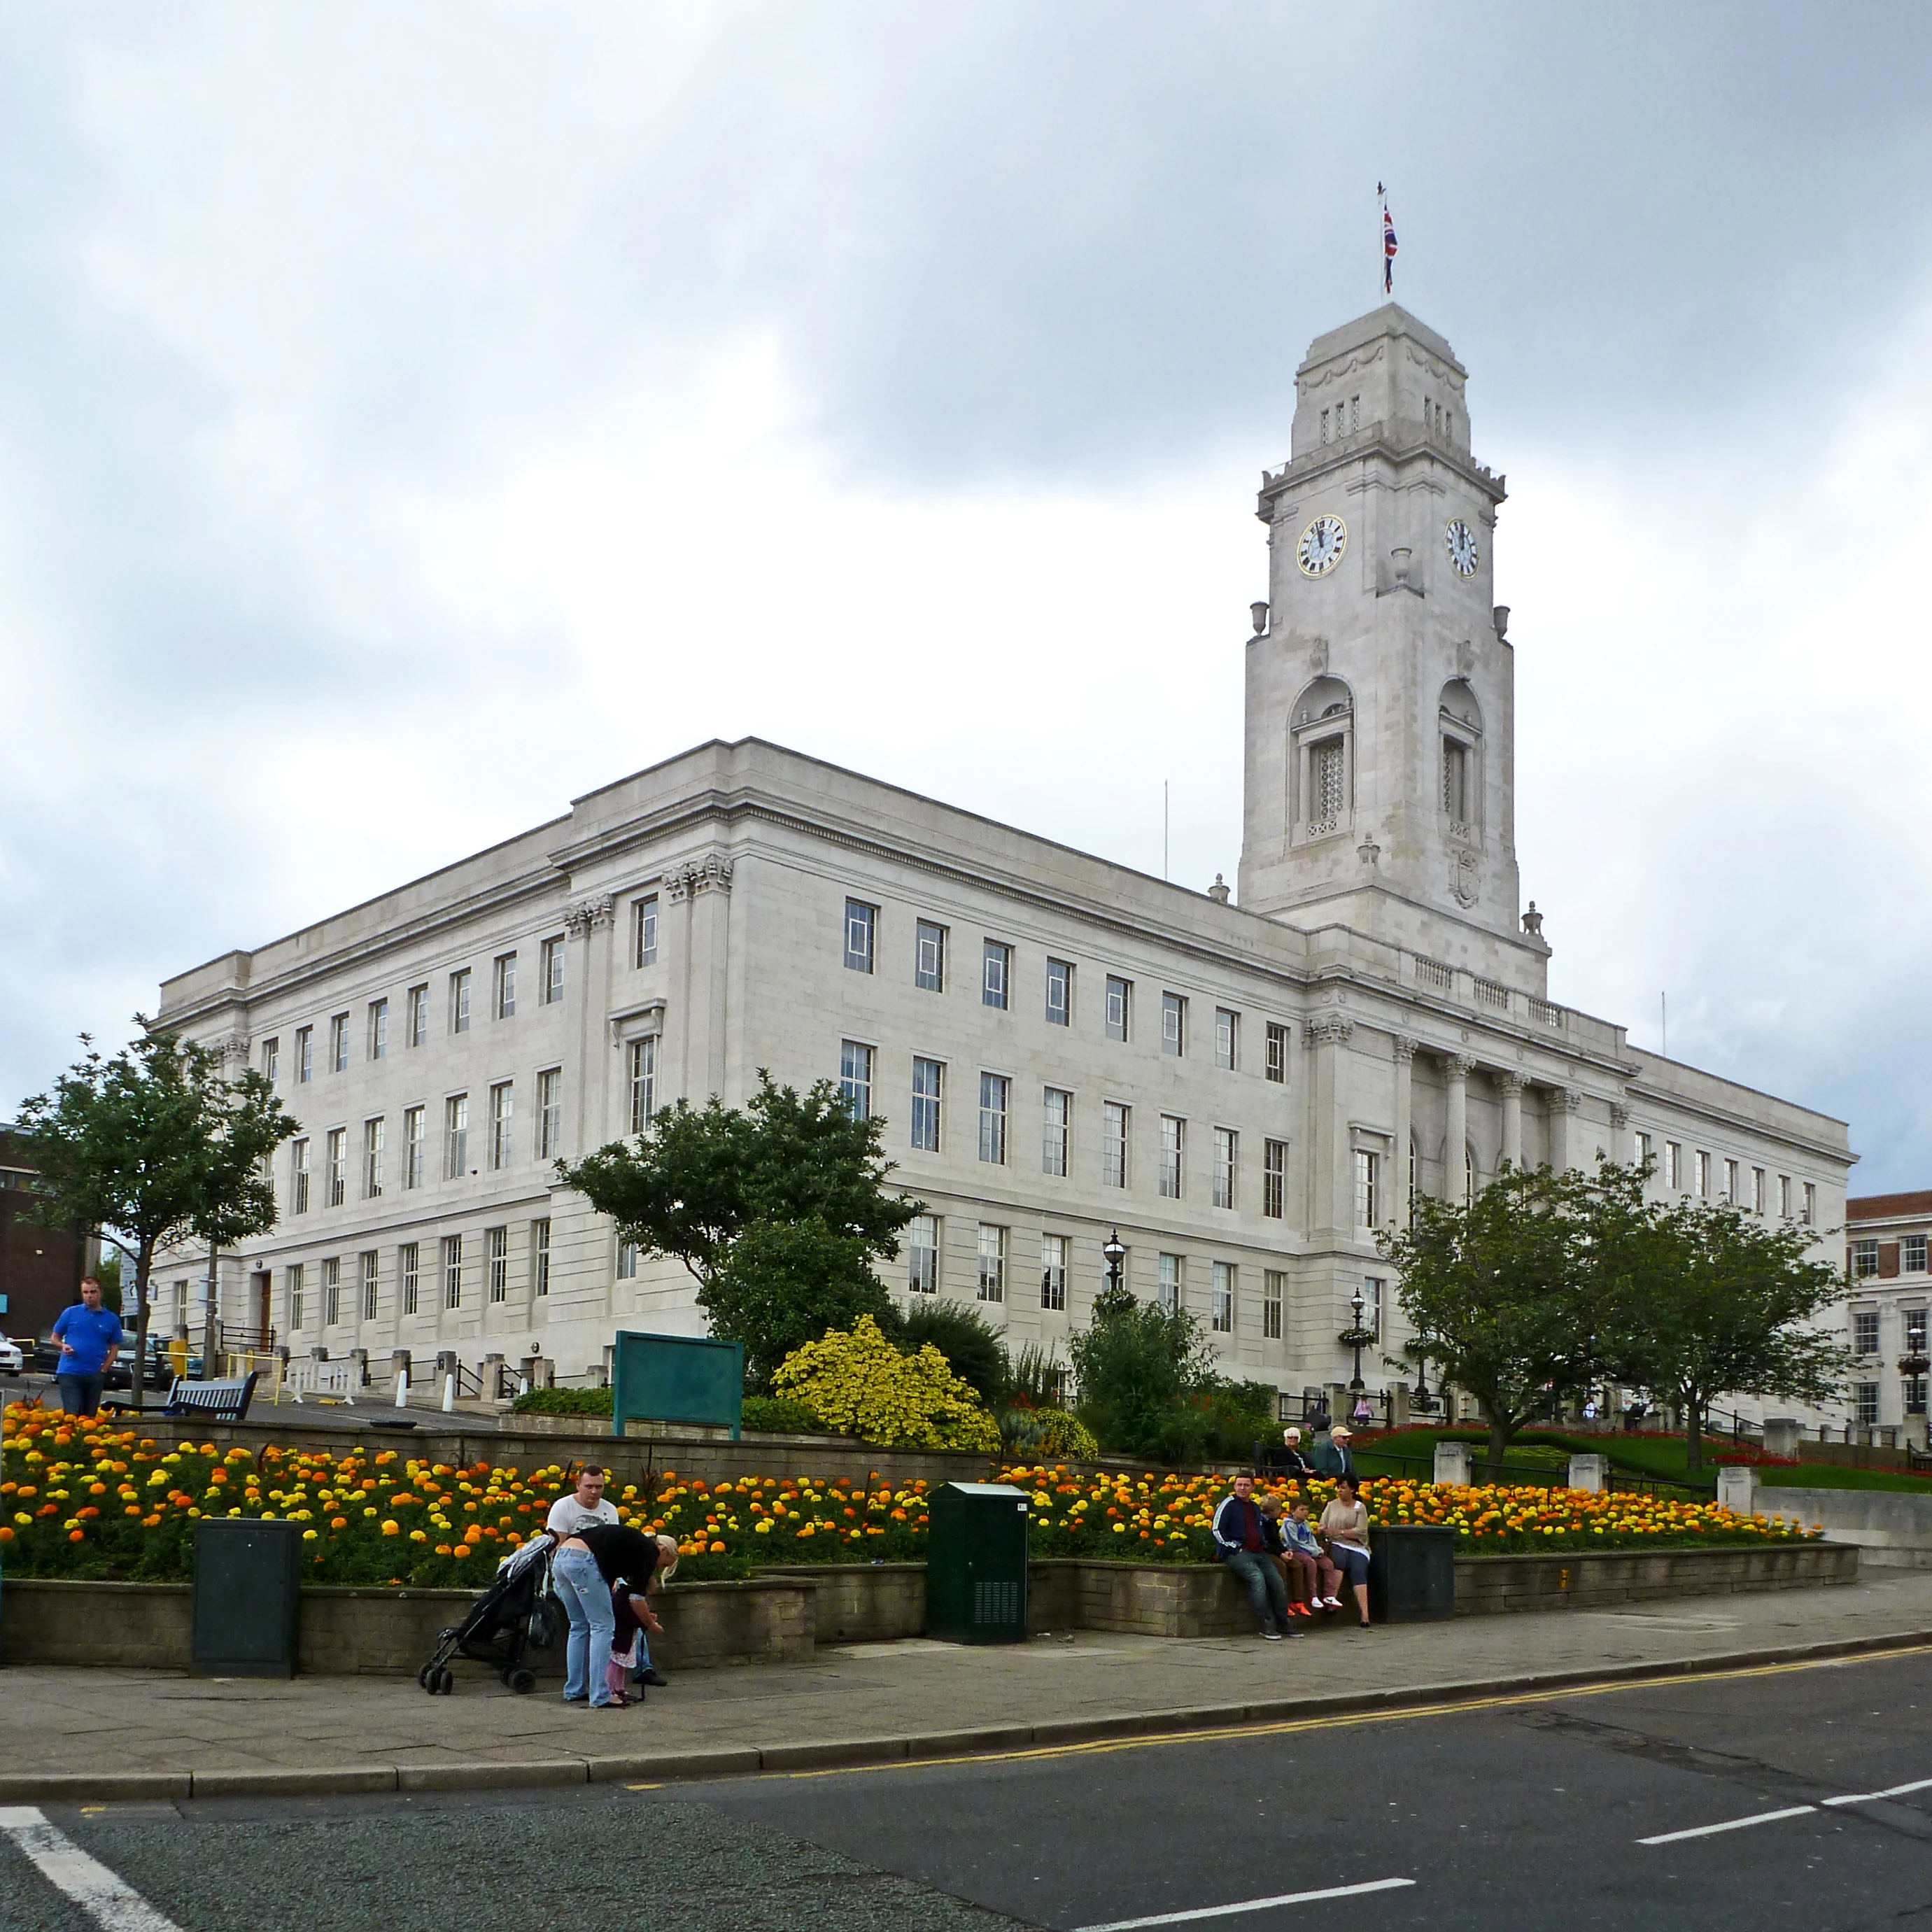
540, 1256
502, 1121
1912, 1261
1646, 1150
1173, 1023
993, 1088
452, 1271
304, 1054
1731, 1182
1227, 1036
929, 1078
1703, 1175
1757, 1190
1371, 1304
644, 930
1173, 1156
409, 1275
1328, 788
1864, 1325
992, 1263
861, 926
496, 1251
372, 1158
1274, 1178
331, 1292
1864, 1262
299, 1176
549, 970
1221, 1301
855, 1079
1059, 993
1469, 1174
1115, 1121
1810, 1215
1272, 1282
413, 1145
338, 1176
1053, 1271
1227, 1157
1118, 1007
996, 973
295, 1295
1915, 1319
338, 1044
1368, 1188
456, 1136
1784, 1196
627, 1260
1864, 1397
550, 1113
928, 963
371, 1279
1056, 1131
459, 1001
1173, 1288
503, 987
271, 1059
1673, 1165
922, 1255
644, 1082
1456, 781
1277, 1052
416, 1017
379, 1029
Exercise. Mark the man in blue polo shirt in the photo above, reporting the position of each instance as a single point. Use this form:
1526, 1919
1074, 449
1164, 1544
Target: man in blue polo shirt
90, 1338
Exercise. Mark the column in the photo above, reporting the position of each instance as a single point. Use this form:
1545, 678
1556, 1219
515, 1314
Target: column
1509, 1085
1332, 1183
586, 970
1456, 1068
1565, 1103
1403, 1112
1619, 1148
706, 887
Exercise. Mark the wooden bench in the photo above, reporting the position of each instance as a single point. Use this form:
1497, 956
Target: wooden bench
211, 1401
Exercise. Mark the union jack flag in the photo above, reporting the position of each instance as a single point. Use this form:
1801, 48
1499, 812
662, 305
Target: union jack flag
1388, 244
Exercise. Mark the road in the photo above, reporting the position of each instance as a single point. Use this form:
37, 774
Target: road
1552, 1811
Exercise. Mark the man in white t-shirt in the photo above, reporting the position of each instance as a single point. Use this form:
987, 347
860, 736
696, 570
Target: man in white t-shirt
586, 1504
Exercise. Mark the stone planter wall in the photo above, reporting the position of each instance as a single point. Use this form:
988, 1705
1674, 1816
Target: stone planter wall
1599, 1579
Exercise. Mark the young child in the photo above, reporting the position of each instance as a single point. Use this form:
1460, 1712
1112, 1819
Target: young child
634, 1624
1311, 1578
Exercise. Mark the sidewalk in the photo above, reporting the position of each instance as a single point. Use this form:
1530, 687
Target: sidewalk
83, 1734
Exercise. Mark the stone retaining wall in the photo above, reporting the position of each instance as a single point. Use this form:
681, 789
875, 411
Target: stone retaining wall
1596, 1579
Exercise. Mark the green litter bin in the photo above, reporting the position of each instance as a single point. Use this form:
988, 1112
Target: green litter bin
248, 1597
1411, 1573
976, 1564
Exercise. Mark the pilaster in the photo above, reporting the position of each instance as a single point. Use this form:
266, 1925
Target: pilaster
1510, 1086
1456, 1068
1403, 1113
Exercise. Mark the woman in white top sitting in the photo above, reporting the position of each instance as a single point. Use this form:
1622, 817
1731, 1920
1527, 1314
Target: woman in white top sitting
1345, 1529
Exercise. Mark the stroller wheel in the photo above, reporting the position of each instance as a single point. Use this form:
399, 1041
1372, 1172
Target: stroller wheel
521, 1681
422, 1677
444, 1681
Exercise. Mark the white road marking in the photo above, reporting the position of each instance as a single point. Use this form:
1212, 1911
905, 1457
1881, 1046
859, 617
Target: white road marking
1895, 1791
116, 1906
1250, 1905
1728, 1824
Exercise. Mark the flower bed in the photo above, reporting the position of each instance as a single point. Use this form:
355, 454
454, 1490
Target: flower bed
80, 1499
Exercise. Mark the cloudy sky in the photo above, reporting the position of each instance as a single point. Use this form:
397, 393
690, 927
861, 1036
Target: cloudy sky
411, 418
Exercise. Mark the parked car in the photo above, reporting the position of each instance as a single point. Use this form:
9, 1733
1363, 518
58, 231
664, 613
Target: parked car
12, 1361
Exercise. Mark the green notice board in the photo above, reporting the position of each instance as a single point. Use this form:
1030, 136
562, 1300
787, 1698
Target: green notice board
677, 1379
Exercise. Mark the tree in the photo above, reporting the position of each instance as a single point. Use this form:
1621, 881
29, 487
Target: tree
968, 1341
802, 1171
1140, 1370
153, 1147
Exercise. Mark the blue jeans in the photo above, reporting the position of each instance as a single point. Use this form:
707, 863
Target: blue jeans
80, 1394
580, 1588
1266, 1590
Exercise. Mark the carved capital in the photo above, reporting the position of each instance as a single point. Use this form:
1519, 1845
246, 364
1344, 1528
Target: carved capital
712, 873
1457, 1066
583, 915
1326, 1029
1509, 1083
1567, 1100
1406, 1048
1619, 1114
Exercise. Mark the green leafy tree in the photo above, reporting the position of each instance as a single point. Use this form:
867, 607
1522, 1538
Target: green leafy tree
107, 1272
970, 1343
784, 1283
1142, 1372
153, 1147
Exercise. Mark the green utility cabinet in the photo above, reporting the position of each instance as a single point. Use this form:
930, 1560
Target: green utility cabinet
976, 1564
1411, 1573
248, 1597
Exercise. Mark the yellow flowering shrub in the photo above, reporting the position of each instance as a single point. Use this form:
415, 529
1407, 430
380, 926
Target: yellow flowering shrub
860, 1384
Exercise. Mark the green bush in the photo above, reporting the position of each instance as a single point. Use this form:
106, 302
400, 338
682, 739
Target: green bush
562, 1401
784, 1413
972, 1347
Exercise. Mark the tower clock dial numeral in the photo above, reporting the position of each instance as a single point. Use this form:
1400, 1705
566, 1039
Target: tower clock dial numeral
1321, 545
1461, 541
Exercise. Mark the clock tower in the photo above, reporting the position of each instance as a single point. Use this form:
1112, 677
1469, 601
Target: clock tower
1380, 776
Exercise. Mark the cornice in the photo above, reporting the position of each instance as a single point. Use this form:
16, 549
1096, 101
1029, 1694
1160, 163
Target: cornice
1365, 446
1739, 1124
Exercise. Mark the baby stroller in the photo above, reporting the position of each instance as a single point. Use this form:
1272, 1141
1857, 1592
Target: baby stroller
515, 1614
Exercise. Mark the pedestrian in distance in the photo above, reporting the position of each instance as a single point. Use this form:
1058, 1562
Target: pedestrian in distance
587, 1503
90, 1337
1345, 1530
1240, 1539
588, 1565
1312, 1580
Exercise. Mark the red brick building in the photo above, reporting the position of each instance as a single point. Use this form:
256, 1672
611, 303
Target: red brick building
1888, 1238
40, 1268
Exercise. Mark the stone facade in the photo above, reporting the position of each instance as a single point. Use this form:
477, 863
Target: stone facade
1245, 1092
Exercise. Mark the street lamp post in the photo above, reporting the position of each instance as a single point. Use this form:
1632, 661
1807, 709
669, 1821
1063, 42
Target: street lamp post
1357, 1338
1114, 1252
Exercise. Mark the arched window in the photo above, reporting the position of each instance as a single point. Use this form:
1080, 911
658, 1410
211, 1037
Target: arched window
1460, 719
1469, 1174
1409, 1196
1321, 764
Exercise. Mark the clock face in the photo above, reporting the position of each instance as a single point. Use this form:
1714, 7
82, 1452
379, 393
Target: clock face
1462, 542
1321, 545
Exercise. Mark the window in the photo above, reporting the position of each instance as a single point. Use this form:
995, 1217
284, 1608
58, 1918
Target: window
644, 930
1731, 1183
540, 1256
1703, 1175
1673, 1165
1271, 1287
371, 1280
459, 1001
1059, 993
455, 1136
409, 1274
996, 973
1784, 1196
1227, 1155
503, 1120
413, 1146
294, 1294
1115, 1121
1173, 1023
1227, 1032
1469, 1174
1274, 1178
496, 1250
338, 1044
1328, 785
1810, 1216
627, 1260
1864, 1331
1368, 1188
1757, 1190
452, 1271
1221, 1299
416, 1017
331, 1292
1646, 1151
550, 1114
1053, 1271
271, 1059
1912, 1389
1173, 1156
1866, 1395
550, 972
861, 925
1915, 1331
1865, 1260
1371, 1304
855, 1079
1056, 1131
1456, 781
1912, 1254
928, 962
503, 987
379, 1029
1277, 1053
922, 1255
992, 1263
929, 1079
299, 1177
993, 1091
1120, 1002
1171, 1292
304, 1054
372, 1158
336, 1175
644, 1082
